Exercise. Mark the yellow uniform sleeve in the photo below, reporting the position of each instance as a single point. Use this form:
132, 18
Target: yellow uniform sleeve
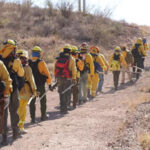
29, 77
110, 60
72, 67
122, 60
43, 69
101, 62
141, 50
104, 60
18, 68
80, 64
4, 76
89, 60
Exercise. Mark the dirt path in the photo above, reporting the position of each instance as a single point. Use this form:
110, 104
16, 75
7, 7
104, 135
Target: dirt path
92, 126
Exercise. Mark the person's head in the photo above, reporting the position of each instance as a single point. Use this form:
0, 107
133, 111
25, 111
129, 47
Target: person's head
19, 52
94, 50
67, 49
36, 51
144, 40
117, 50
9, 49
74, 51
84, 48
123, 48
139, 41
24, 57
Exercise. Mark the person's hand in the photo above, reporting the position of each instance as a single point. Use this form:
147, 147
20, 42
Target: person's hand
50, 88
35, 94
74, 81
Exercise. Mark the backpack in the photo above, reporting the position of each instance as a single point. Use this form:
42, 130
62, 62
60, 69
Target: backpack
17, 82
135, 51
62, 67
129, 58
115, 64
97, 66
39, 78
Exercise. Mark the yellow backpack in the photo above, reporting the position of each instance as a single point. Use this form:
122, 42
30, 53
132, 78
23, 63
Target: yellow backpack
115, 65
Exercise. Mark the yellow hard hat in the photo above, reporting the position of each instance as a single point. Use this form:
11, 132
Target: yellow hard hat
139, 41
36, 49
74, 49
25, 54
67, 48
10, 41
19, 51
117, 48
94, 49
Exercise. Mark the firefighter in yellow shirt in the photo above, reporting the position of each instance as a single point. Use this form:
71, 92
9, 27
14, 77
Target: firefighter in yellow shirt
65, 73
28, 89
5, 91
87, 73
16, 71
41, 76
80, 66
116, 60
99, 66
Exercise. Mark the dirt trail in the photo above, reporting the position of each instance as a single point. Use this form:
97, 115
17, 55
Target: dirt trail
92, 126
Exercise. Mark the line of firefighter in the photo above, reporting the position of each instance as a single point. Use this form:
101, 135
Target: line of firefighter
82, 71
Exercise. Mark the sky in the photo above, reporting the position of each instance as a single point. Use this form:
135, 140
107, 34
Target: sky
132, 11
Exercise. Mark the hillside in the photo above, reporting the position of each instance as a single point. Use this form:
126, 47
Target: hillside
51, 28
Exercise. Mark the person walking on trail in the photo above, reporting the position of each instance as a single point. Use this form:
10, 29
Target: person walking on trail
28, 89
146, 49
16, 71
79, 66
86, 73
41, 76
99, 66
101, 75
116, 60
129, 60
138, 52
5, 91
65, 74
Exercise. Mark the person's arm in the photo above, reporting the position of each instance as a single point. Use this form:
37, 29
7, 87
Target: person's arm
18, 68
43, 69
72, 68
89, 60
122, 60
4, 76
101, 62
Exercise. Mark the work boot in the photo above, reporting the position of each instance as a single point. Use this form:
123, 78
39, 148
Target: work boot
45, 117
4, 140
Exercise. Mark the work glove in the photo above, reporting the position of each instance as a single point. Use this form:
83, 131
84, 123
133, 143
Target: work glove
35, 93
74, 81
50, 88
6, 101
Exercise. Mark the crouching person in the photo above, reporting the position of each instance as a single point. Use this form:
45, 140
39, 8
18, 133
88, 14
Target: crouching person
28, 90
65, 73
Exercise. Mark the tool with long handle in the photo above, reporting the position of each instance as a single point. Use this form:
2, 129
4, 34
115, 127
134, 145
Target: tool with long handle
31, 98
68, 88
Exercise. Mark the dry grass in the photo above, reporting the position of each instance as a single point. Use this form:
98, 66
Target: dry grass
139, 99
144, 140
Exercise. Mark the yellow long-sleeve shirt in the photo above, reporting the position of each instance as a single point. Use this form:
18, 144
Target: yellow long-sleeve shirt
140, 49
4, 76
43, 69
89, 61
100, 61
121, 61
104, 60
26, 92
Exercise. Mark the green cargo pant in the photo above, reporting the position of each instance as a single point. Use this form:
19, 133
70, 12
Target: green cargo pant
40, 89
116, 78
63, 84
13, 107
